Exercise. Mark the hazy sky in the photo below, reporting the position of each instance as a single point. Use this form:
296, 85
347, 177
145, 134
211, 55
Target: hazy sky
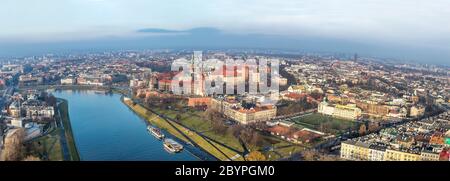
411, 23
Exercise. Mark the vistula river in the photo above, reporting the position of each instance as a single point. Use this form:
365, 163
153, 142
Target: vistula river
106, 129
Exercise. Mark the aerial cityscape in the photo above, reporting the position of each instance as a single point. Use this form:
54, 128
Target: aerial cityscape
199, 81
328, 108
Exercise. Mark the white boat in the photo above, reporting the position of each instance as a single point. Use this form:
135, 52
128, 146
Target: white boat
155, 132
172, 146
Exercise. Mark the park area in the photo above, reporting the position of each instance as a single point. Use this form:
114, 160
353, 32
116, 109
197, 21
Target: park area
185, 134
325, 123
47, 147
272, 147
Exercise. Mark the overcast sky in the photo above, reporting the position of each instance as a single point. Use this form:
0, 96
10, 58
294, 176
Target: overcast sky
418, 23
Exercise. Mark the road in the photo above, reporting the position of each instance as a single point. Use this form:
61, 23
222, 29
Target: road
63, 140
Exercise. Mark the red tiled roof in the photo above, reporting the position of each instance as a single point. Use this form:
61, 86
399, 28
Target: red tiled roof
165, 81
255, 109
281, 130
305, 135
296, 96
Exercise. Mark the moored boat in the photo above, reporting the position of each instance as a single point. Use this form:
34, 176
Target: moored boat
155, 132
172, 146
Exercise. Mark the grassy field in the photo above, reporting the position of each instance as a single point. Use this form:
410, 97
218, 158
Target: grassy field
279, 148
283, 152
336, 125
194, 121
179, 131
48, 146
64, 110
286, 151
220, 152
156, 120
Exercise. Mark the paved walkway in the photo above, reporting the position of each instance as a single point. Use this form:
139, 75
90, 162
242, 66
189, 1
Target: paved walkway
63, 140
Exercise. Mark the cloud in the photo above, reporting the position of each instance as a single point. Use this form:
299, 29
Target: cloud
157, 30
421, 25
379, 20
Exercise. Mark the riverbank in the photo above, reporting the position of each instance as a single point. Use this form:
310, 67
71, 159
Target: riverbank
105, 129
192, 129
155, 120
65, 87
183, 133
63, 110
48, 146
57, 143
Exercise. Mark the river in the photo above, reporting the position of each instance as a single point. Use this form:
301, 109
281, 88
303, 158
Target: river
106, 129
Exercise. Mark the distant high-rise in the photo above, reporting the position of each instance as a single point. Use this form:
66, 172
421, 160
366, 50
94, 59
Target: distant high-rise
197, 57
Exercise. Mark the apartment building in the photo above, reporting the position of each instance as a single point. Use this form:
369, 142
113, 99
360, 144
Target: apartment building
349, 111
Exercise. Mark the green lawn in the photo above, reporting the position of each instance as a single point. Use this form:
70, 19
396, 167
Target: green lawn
287, 151
313, 121
156, 120
220, 152
283, 152
48, 146
280, 147
193, 120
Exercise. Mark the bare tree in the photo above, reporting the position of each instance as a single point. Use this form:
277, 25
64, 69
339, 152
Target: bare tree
236, 130
218, 127
256, 156
246, 134
260, 126
211, 114
362, 129
13, 146
328, 158
309, 155
31, 158
373, 127
216, 119
178, 117
256, 139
